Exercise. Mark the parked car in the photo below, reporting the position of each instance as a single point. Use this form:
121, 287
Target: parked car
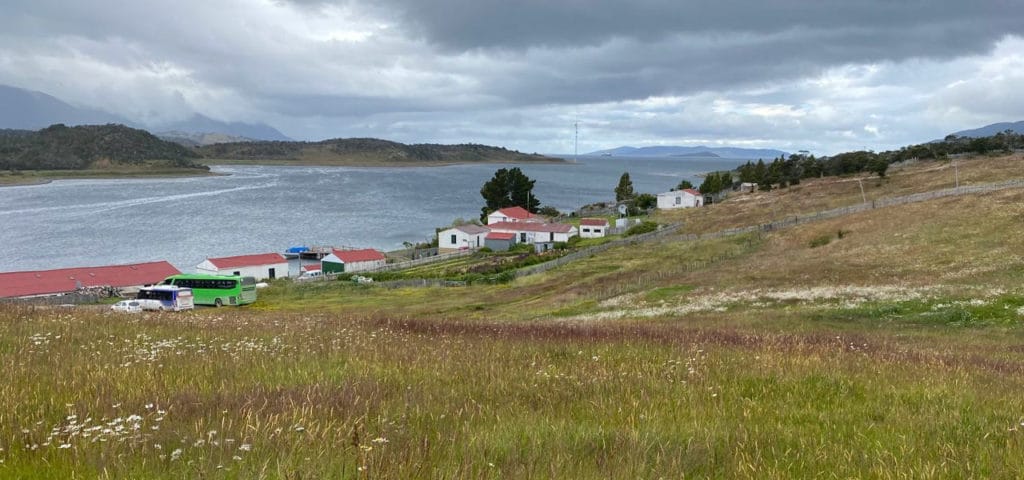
310, 275
127, 306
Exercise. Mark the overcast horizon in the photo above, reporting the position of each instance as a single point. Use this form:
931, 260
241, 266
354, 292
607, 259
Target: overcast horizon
825, 76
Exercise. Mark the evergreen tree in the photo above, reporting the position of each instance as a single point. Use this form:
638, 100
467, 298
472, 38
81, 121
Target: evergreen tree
508, 188
710, 184
624, 191
760, 172
684, 184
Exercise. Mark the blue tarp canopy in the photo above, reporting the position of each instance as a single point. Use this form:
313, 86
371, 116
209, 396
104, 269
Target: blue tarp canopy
297, 250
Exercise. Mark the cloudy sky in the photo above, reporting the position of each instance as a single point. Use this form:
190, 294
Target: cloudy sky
820, 75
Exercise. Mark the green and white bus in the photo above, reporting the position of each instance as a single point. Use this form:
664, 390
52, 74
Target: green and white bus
216, 290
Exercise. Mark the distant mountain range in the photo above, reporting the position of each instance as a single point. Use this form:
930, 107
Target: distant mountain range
30, 110
699, 151
989, 130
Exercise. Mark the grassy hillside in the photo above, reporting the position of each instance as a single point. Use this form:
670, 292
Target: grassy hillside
360, 152
893, 350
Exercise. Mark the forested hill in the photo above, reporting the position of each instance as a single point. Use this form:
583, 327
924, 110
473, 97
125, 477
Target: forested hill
363, 151
59, 147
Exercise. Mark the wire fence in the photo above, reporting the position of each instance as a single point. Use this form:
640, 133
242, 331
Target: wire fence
665, 232
420, 261
591, 251
647, 279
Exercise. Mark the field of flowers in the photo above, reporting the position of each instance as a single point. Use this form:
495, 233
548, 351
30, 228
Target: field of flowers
894, 350
249, 394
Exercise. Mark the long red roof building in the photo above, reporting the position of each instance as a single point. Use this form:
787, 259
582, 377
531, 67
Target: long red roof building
66, 280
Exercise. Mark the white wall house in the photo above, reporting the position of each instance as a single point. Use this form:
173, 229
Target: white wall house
593, 227
348, 261
461, 238
529, 232
262, 266
513, 214
680, 199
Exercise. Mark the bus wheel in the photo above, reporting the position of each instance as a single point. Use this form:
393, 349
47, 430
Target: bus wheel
218, 303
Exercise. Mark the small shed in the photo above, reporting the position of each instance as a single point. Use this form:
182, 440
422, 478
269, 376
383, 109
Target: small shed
261, 266
349, 261
593, 227
500, 241
461, 237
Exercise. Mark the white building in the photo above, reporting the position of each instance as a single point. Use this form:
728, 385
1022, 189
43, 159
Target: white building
530, 232
348, 261
593, 227
513, 214
461, 237
680, 199
262, 266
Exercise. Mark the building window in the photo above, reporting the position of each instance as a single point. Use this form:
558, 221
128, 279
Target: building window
596, 230
586, 230
679, 200
454, 241
522, 237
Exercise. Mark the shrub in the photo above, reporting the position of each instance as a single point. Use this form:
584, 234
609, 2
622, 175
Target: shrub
821, 241
645, 227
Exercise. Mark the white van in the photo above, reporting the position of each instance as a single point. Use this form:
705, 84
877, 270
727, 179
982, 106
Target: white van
166, 297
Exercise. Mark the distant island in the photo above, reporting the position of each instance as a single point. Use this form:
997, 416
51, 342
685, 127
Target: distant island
698, 151
704, 154
109, 150
361, 152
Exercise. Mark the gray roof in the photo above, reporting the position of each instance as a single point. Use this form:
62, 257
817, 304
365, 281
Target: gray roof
472, 229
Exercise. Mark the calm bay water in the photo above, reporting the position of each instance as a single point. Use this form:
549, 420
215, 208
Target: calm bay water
258, 209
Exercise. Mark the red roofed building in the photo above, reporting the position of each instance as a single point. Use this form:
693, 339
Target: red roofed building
348, 261
261, 266
513, 214
530, 232
67, 280
593, 227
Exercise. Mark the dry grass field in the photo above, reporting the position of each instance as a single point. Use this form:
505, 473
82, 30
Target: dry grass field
884, 344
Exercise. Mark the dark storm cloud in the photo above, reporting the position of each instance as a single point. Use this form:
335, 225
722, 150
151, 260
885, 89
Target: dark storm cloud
769, 73
501, 24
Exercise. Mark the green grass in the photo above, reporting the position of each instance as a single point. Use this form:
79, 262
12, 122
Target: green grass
894, 352
316, 395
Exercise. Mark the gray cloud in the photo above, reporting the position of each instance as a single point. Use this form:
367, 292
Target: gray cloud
825, 75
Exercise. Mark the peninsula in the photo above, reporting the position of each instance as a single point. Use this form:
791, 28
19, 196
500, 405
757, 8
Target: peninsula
116, 151
361, 152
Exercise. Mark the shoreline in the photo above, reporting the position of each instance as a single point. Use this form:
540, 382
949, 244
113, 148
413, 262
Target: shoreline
408, 164
35, 178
